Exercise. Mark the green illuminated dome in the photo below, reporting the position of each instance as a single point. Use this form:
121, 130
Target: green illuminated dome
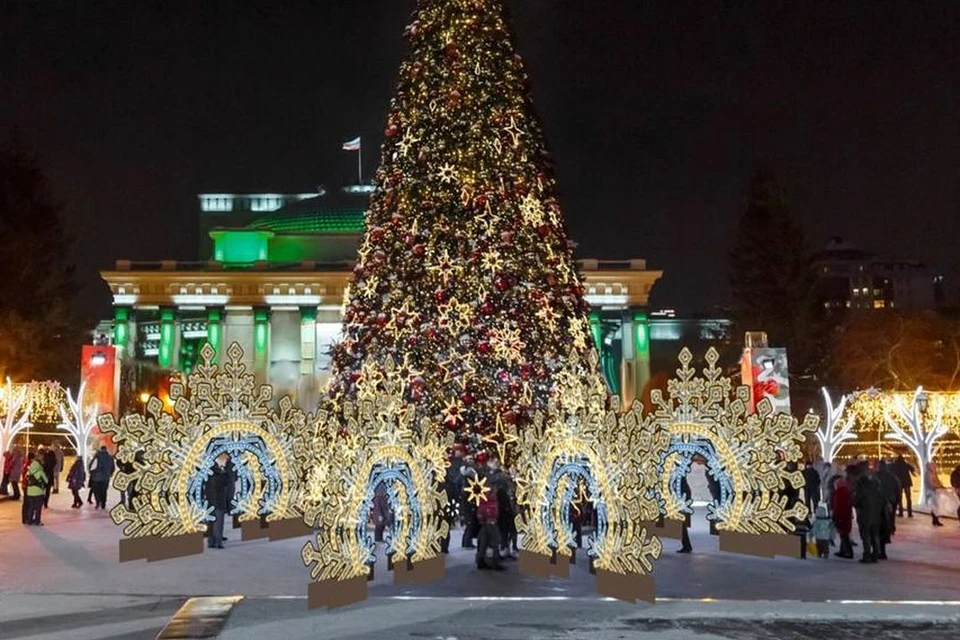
325, 228
338, 212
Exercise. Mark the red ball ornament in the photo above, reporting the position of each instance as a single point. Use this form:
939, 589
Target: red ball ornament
440, 295
391, 131
506, 237
487, 308
509, 417
467, 398
376, 235
483, 347
526, 371
419, 250
452, 51
482, 458
502, 283
481, 200
543, 230
503, 375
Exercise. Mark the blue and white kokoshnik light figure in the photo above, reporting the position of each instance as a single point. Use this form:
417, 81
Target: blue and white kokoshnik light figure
686, 450
259, 479
408, 514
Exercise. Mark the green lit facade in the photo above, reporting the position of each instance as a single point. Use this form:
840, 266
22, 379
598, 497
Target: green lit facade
272, 278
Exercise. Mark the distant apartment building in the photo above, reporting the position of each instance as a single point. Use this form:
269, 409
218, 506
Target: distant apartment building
850, 277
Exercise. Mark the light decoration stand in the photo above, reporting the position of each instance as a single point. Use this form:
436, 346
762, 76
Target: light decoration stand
79, 421
582, 440
747, 453
910, 427
834, 429
220, 410
373, 440
16, 417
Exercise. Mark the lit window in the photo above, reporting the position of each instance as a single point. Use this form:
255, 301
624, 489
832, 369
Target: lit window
848, 304
879, 304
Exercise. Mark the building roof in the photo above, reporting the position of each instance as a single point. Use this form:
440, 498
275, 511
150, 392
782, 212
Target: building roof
337, 212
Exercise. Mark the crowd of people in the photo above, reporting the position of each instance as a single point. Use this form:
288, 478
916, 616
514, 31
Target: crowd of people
38, 474
876, 493
489, 524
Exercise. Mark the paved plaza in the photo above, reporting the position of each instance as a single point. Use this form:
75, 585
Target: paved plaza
63, 580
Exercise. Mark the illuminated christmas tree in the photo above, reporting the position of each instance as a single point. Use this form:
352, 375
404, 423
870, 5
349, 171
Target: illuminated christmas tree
465, 275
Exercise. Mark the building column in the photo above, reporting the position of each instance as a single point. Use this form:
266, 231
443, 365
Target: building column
215, 331
169, 353
122, 337
641, 350
596, 329
261, 343
628, 376
308, 340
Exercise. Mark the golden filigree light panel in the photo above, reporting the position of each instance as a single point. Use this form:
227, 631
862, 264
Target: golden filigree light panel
220, 410
748, 453
356, 447
581, 439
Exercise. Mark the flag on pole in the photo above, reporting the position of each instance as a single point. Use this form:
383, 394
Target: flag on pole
352, 145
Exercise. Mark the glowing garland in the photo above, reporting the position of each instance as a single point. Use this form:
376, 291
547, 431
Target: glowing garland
896, 417
221, 410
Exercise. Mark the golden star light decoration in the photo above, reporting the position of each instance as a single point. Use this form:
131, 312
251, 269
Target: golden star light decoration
221, 409
749, 452
476, 490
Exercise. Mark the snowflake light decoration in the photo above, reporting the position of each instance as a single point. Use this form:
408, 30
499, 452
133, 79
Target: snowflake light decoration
582, 440
747, 453
372, 440
221, 410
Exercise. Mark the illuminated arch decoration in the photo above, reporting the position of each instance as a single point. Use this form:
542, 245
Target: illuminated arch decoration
582, 439
220, 410
367, 442
747, 453
921, 420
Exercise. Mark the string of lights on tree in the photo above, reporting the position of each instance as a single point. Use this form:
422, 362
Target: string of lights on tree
465, 275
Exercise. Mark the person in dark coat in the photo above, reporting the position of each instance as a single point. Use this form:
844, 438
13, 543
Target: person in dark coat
101, 470
75, 481
49, 462
903, 471
890, 490
869, 503
811, 487
7, 465
217, 492
955, 483
687, 495
714, 486
842, 513
16, 470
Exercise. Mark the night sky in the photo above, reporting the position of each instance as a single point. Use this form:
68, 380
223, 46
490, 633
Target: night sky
657, 115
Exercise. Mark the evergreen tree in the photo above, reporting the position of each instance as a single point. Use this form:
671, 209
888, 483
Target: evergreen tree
465, 275
771, 277
39, 338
